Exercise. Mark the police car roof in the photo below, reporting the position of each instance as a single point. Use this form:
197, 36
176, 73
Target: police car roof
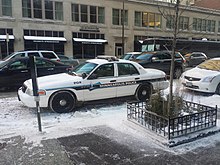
104, 61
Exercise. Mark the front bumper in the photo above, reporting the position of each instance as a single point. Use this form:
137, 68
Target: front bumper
160, 85
30, 101
198, 86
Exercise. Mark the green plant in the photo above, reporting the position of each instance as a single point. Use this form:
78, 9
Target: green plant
158, 103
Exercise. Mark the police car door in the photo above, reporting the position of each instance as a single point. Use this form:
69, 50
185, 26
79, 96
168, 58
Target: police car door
128, 79
101, 83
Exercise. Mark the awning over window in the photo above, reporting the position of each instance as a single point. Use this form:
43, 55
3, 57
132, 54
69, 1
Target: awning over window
90, 41
3, 37
45, 39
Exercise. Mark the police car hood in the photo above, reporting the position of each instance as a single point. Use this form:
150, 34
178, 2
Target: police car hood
200, 73
55, 81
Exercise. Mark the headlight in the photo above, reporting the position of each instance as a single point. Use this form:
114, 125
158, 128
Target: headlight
29, 92
40, 92
208, 79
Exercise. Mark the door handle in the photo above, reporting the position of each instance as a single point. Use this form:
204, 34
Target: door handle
24, 71
137, 78
113, 81
50, 69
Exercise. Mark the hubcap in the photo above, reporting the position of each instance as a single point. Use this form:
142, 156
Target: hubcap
144, 92
62, 102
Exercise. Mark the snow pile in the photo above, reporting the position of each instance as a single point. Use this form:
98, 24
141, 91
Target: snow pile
15, 119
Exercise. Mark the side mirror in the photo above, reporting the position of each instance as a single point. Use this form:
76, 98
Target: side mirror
154, 59
84, 75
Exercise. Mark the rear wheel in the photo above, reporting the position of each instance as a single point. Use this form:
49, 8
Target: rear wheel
177, 73
143, 92
62, 102
217, 91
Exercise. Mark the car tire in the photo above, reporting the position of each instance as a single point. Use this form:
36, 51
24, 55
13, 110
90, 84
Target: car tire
62, 102
177, 73
217, 91
143, 92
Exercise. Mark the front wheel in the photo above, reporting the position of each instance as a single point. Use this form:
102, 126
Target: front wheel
62, 102
217, 91
143, 92
177, 73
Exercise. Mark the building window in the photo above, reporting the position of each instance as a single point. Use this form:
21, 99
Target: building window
101, 15
145, 19
137, 18
48, 9
6, 8
53, 10
117, 17
203, 25
37, 6
158, 20
184, 23
30, 32
170, 22
219, 26
26, 8
84, 13
75, 12
93, 14
59, 11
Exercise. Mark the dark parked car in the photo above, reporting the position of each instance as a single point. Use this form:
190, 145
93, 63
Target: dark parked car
15, 71
130, 55
68, 60
162, 60
195, 58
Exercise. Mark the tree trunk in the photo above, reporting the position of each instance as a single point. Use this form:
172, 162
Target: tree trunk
176, 18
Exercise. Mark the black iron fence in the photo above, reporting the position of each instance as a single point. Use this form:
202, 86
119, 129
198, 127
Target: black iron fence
200, 117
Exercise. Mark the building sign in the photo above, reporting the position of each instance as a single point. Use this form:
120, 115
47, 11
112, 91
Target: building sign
89, 28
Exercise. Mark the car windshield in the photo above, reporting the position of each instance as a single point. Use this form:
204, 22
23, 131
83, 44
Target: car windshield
210, 65
126, 56
7, 57
3, 64
144, 57
86, 67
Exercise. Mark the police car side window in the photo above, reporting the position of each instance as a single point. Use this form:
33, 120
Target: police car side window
126, 69
106, 70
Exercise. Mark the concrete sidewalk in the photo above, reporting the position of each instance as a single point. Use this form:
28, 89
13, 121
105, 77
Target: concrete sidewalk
100, 146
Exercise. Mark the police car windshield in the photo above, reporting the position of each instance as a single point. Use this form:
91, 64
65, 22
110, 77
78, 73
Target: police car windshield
86, 67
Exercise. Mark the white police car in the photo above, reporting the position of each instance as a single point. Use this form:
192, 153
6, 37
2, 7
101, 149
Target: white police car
94, 80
